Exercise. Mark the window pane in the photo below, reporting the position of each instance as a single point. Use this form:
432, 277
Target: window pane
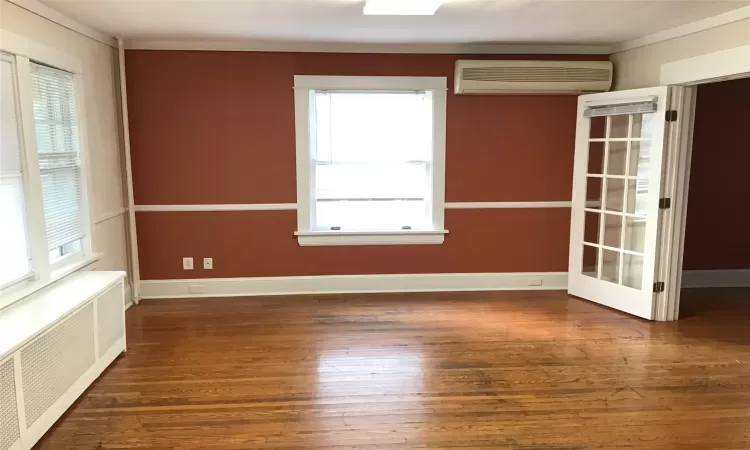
67, 249
372, 160
590, 259
591, 227
371, 181
614, 192
14, 255
378, 196
369, 127
640, 158
596, 158
612, 230
594, 192
643, 125
635, 234
637, 197
618, 154
598, 127
632, 275
618, 126
58, 149
371, 215
610, 266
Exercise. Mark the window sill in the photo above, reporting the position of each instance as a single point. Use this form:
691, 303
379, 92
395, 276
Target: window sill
23, 290
406, 237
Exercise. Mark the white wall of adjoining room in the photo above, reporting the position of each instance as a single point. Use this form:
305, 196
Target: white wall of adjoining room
641, 66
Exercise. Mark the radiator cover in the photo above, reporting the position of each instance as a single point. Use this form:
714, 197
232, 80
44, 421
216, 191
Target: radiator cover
40, 380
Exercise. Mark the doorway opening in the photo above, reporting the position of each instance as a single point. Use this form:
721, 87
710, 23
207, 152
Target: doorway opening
716, 254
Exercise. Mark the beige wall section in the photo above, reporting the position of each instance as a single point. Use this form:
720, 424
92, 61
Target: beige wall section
102, 122
110, 238
641, 67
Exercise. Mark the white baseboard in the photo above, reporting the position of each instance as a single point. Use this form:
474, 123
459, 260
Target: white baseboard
715, 278
350, 284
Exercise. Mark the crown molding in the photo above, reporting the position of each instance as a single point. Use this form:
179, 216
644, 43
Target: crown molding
687, 29
341, 47
61, 19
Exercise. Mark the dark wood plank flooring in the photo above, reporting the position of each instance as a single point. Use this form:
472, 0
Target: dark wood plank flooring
513, 370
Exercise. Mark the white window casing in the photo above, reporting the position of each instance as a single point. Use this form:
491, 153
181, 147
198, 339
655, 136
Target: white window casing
46, 159
353, 132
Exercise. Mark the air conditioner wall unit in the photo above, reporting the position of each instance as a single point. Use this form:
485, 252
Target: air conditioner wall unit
532, 77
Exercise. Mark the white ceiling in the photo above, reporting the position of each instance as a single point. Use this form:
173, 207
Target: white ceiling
342, 21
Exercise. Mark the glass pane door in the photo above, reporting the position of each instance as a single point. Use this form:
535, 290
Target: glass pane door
620, 141
617, 188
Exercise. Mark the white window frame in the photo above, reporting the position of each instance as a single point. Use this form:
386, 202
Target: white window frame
304, 87
44, 272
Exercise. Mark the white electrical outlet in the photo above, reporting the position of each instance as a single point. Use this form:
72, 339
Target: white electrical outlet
208, 263
187, 263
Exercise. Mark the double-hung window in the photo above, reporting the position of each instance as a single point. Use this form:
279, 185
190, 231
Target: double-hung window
44, 227
370, 160
58, 153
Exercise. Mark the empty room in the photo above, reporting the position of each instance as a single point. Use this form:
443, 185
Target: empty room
374, 224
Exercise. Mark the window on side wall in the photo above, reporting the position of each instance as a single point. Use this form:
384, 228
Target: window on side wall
58, 153
44, 228
370, 160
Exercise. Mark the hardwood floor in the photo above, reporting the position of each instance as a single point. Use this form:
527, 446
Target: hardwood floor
521, 370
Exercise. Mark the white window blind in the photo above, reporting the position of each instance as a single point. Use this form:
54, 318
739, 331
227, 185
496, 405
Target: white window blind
57, 139
372, 160
14, 253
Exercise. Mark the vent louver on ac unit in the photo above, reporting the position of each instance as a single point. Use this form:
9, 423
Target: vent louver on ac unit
532, 77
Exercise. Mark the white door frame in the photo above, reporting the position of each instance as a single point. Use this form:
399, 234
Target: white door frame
675, 181
687, 74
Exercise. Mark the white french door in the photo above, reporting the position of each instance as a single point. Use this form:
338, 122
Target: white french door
621, 138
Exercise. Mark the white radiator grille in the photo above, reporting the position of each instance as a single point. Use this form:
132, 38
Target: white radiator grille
10, 431
110, 311
53, 362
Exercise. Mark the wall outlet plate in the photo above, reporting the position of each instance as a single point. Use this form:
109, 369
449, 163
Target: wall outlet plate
208, 263
187, 263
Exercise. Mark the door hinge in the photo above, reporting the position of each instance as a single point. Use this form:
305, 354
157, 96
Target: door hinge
665, 203
671, 115
659, 287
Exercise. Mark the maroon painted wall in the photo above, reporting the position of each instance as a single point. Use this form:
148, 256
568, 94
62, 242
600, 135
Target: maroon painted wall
218, 128
718, 221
